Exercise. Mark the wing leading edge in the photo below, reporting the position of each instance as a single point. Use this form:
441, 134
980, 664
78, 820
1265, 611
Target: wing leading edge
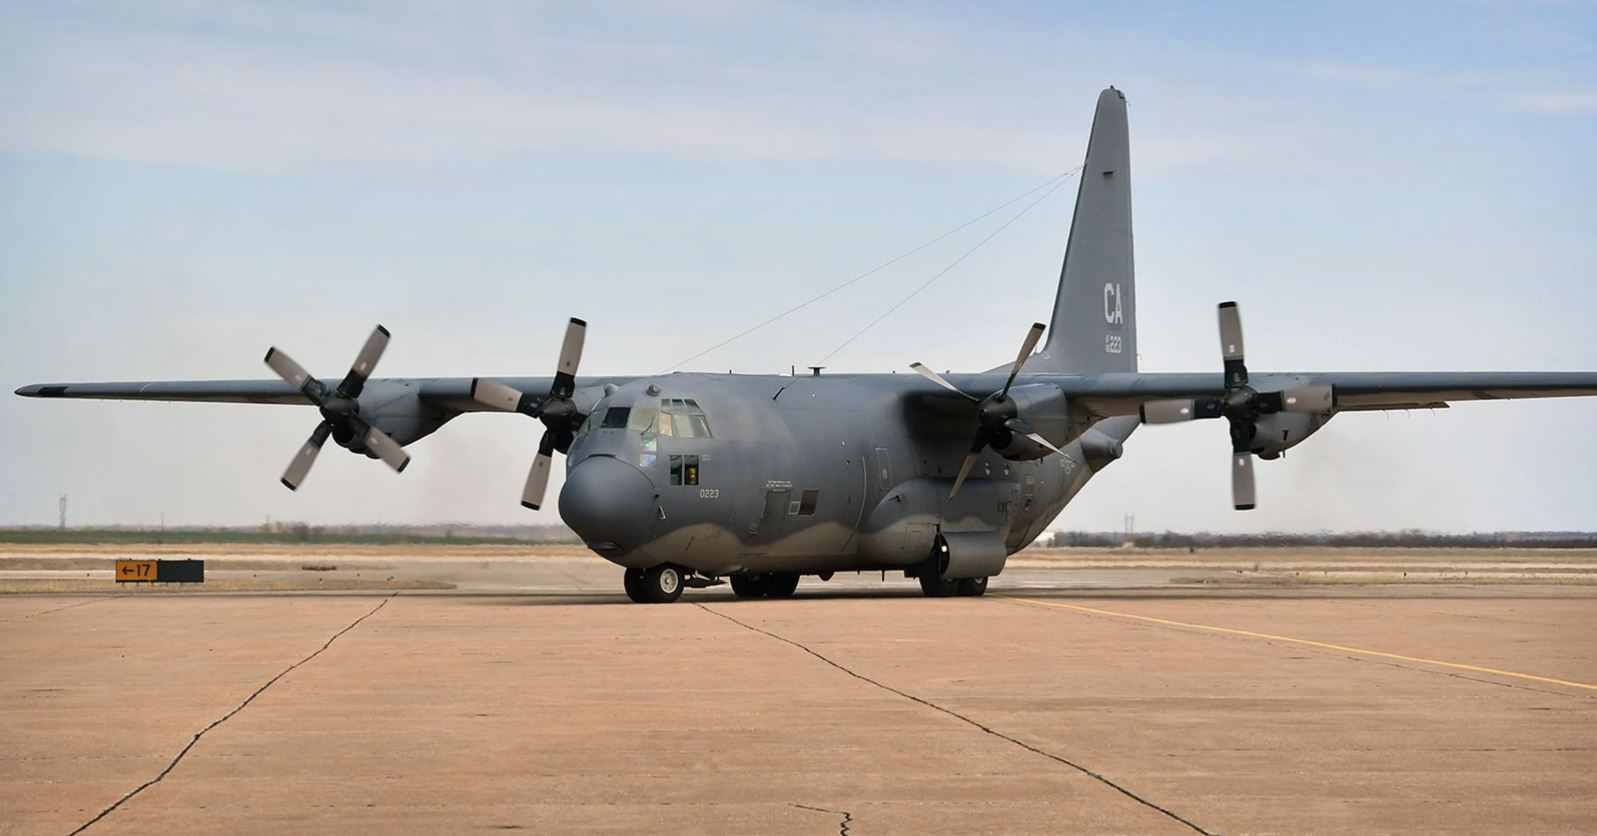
1124, 394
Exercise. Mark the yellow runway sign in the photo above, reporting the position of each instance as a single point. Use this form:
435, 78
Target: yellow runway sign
136, 570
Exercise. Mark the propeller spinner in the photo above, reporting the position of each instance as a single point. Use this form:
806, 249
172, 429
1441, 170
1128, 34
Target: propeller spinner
996, 414
340, 409
1241, 406
559, 414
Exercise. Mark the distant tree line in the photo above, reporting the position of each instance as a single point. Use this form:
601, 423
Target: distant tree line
289, 531
1406, 539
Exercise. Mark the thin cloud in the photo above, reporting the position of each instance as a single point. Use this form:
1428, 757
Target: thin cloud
237, 86
1560, 103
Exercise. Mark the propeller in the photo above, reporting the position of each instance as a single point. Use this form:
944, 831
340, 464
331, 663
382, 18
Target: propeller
997, 415
1241, 405
340, 409
559, 414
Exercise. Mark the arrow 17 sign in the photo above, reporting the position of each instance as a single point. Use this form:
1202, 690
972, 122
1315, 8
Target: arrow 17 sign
134, 571
162, 571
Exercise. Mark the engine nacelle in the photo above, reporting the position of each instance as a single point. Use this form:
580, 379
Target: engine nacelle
1274, 434
396, 408
1046, 410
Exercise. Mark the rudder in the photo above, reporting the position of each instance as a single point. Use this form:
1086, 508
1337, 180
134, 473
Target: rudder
1094, 327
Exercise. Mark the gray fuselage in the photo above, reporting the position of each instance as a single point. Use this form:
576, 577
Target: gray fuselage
726, 474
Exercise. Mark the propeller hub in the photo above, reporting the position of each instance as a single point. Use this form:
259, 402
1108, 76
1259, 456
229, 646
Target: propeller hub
337, 408
996, 410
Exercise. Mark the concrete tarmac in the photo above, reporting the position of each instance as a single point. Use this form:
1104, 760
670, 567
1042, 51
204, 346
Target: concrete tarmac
1034, 710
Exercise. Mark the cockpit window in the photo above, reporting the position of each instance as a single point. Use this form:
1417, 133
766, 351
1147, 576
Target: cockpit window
642, 420
676, 418
682, 418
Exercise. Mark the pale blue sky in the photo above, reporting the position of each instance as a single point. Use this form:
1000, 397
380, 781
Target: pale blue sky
1382, 186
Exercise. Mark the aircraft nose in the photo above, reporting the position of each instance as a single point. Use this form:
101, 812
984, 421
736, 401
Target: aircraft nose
607, 502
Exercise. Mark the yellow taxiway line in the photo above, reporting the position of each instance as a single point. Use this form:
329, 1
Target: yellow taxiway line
1380, 654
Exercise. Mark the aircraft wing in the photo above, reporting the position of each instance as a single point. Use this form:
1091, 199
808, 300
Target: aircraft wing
1124, 394
215, 391
451, 393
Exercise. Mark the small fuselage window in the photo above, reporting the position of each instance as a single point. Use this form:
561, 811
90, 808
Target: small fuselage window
684, 470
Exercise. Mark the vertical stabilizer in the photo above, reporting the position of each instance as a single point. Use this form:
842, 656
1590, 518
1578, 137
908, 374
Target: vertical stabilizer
1094, 327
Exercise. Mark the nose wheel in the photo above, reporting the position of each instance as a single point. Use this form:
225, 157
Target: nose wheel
658, 585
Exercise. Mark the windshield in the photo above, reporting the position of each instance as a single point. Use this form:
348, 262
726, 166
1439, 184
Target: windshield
676, 418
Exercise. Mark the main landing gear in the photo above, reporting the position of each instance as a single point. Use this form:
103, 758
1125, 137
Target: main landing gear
767, 585
659, 585
934, 586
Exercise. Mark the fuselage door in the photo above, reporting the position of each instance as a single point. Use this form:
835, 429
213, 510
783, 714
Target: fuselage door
774, 517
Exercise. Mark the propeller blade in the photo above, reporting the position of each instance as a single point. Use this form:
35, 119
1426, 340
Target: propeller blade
1026, 348
940, 381
1168, 412
386, 449
977, 445
287, 369
570, 355
355, 382
1308, 399
301, 465
1242, 481
1236, 370
1044, 442
964, 470
538, 476
496, 395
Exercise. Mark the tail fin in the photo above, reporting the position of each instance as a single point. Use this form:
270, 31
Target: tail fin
1094, 327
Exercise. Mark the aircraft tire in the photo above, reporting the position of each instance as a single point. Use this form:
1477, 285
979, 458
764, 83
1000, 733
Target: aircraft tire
780, 584
661, 584
933, 585
633, 581
972, 587
747, 586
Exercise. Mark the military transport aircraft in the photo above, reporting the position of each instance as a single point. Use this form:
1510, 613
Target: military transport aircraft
686, 479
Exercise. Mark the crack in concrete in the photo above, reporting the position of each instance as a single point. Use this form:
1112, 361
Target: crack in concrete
1466, 678
55, 609
224, 718
1096, 776
842, 826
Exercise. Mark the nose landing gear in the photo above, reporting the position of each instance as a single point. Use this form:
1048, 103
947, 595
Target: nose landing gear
658, 585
